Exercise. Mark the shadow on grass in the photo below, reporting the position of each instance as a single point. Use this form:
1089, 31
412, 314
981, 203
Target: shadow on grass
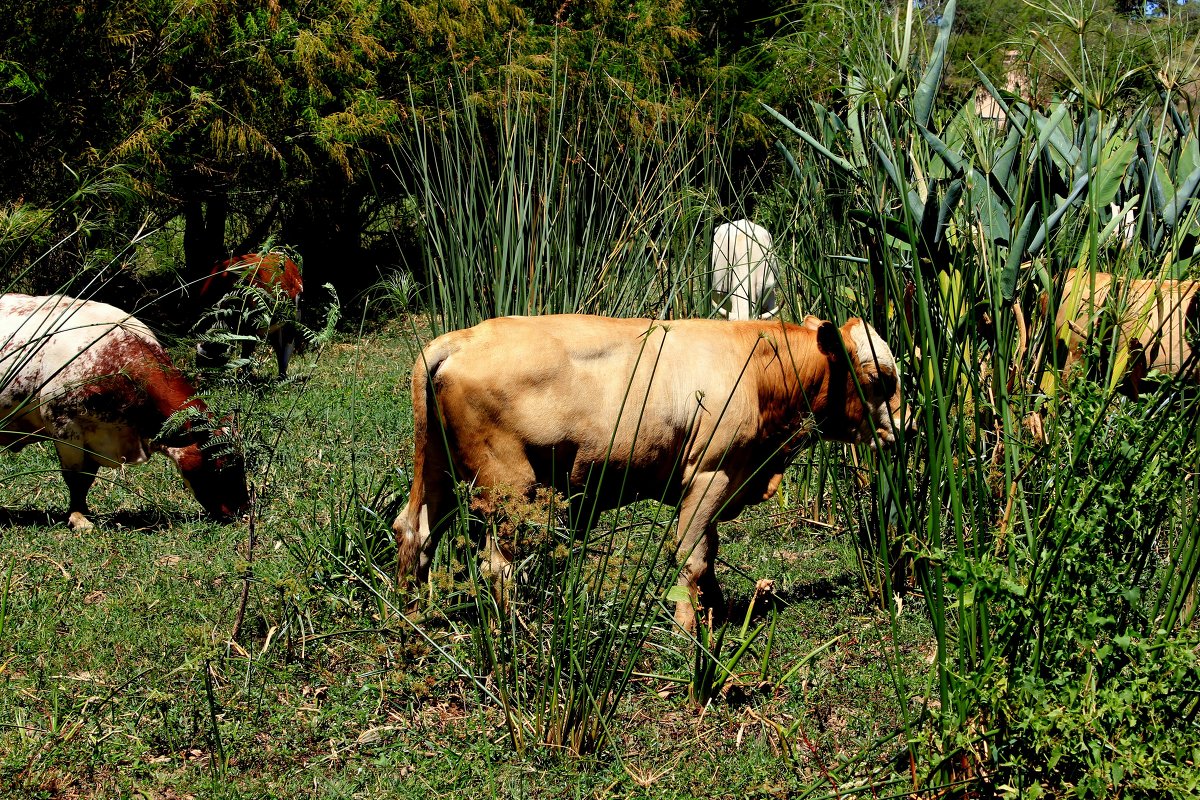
149, 519
822, 589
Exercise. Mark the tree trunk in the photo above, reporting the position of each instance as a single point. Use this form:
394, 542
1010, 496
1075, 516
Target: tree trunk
203, 239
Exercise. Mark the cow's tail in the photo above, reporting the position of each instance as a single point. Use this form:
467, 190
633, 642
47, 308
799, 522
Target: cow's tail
417, 522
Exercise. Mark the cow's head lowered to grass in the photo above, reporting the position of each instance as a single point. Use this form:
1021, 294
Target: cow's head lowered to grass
704, 414
874, 414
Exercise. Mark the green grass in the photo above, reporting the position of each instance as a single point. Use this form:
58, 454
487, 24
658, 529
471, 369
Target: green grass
108, 636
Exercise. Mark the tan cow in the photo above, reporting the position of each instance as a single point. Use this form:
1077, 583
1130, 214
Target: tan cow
703, 413
93, 380
1155, 322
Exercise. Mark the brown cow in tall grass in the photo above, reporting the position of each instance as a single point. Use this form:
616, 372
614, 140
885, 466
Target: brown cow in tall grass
705, 414
252, 297
1152, 324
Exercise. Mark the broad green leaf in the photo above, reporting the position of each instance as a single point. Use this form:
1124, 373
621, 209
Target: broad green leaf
927, 89
1110, 174
678, 594
1189, 156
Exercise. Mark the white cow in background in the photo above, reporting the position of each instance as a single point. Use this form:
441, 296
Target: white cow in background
744, 271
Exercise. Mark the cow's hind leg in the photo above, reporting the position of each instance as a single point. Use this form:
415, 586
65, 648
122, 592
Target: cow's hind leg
79, 473
697, 549
419, 527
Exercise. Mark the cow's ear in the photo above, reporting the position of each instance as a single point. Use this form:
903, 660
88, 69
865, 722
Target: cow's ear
829, 341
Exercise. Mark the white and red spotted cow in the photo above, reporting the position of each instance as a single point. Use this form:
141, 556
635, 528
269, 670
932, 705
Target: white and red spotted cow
259, 290
744, 271
703, 413
93, 380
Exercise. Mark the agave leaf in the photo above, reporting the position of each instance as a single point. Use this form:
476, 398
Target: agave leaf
829, 155
1002, 170
1181, 124
1151, 173
1186, 192
889, 167
831, 123
787, 156
895, 232
916, 208
958, 167
1017, 124
1039, 238
927, 89
953, 194
1012, 265
1085, 136
991, 210
953, 160
1119, 217
1064, 154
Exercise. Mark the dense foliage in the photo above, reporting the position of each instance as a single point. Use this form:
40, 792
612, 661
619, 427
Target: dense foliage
934, 169
218, 126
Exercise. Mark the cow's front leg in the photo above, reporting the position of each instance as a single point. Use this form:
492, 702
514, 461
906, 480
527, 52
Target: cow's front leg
79, 473
697, 550
283, 343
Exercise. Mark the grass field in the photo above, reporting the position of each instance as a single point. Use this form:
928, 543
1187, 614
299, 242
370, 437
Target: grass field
118, 677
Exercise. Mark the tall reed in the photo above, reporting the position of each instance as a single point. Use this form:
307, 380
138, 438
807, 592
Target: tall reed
555, 202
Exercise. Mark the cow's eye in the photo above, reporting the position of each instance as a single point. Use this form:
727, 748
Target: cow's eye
883, 384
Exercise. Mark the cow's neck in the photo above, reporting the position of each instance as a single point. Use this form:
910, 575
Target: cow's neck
165, 388
794, 393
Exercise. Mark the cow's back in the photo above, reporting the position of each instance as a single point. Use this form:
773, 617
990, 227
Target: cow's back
269, 271
574, 386
77, 371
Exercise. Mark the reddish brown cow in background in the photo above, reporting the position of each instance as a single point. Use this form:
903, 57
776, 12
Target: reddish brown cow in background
93, 380
273, 272
703, 413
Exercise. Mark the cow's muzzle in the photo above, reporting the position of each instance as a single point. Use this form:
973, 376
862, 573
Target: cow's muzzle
889, 425
211, 354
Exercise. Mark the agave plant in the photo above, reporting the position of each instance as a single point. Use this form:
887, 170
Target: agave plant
1009, 540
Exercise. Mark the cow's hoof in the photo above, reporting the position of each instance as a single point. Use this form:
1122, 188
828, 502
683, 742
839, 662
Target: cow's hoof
78, 522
